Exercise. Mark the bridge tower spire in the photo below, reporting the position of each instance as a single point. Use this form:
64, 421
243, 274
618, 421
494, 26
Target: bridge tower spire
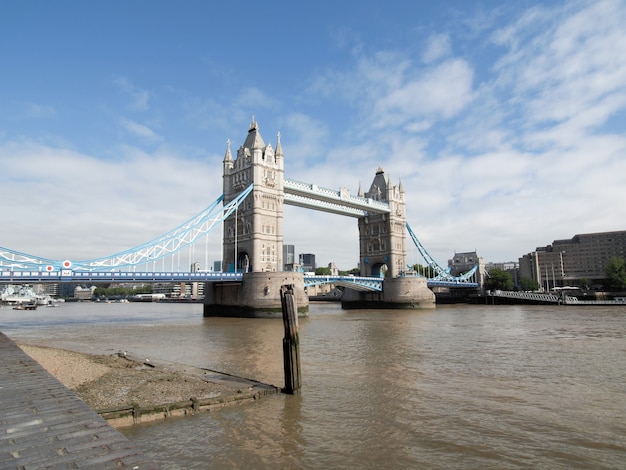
382, 237
253, 235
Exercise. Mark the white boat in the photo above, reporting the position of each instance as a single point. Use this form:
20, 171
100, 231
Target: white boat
25, 306
24, 294
43, 299
17, 295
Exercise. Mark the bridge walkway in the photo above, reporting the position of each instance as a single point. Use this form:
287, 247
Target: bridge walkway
44, 425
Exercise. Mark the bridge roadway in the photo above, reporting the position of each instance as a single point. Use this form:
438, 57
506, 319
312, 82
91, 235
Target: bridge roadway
44, 425
70, 276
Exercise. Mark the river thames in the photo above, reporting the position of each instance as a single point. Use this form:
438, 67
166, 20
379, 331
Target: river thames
463, 386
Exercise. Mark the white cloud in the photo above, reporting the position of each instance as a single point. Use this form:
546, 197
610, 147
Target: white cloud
304, 137
139, 130
139, 98
438, 46
569, 64
444, 90
71, 205
437, 93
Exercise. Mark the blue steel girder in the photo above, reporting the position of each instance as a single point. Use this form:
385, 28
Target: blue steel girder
11, 259
353, 282
340, 202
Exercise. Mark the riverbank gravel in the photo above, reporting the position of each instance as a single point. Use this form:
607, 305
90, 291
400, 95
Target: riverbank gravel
107, 382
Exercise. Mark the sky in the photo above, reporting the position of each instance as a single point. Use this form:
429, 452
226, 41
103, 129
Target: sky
505, 121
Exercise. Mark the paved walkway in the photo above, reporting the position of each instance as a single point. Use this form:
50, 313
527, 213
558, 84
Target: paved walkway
44, 425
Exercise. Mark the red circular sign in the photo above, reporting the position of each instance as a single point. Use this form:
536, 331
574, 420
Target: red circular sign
49, 268
67, 264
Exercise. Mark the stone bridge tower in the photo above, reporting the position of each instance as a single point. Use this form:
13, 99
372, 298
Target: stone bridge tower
253, 235
382, 237
382, 243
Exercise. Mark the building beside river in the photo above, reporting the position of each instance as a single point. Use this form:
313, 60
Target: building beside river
575, 261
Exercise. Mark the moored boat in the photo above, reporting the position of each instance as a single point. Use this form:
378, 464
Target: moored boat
13, 295
25, 306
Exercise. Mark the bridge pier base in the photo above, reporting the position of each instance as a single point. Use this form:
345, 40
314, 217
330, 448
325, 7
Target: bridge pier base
398, 293
257, 296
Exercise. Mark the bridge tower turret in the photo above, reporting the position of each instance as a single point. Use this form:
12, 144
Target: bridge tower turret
253, 234
382, 237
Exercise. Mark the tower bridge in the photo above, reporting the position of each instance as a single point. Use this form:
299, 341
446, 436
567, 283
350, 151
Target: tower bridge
250, 212
253, 237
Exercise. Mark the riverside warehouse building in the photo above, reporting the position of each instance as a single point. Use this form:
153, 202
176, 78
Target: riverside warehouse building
574, 262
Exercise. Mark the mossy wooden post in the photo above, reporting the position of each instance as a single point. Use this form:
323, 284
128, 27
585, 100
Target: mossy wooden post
291, 341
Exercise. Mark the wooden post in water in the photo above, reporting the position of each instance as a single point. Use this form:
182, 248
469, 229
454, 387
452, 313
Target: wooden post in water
291, 341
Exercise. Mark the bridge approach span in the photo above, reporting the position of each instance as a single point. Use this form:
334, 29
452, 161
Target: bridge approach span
42, 277
353, 282
69, 276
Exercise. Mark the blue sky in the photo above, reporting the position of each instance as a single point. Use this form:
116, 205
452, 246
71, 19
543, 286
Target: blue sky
505, 120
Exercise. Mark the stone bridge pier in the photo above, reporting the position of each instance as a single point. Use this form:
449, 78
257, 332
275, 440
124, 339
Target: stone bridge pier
258, 295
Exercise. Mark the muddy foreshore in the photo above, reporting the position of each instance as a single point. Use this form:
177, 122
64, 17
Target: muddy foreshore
126, 390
